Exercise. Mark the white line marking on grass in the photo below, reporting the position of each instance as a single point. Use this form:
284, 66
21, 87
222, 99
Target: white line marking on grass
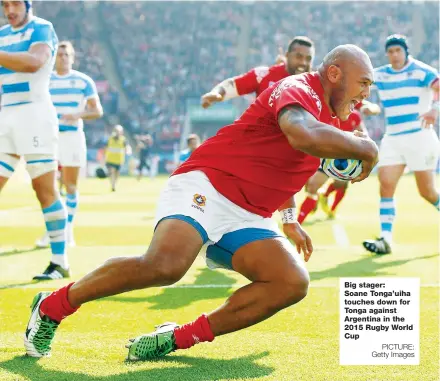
13, 210
195, 286
340, 235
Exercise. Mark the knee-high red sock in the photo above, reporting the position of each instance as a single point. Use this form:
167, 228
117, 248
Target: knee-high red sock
340, 193
331, 188
56, 305
307, 206
193, 333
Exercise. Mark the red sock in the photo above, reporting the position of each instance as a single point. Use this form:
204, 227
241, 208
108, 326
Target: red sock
307, 206
340, 193
56, 305
331, 188
193, 333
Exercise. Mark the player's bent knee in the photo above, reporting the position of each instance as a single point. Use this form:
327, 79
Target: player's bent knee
39, 164
165, 272
293, 289
8, 163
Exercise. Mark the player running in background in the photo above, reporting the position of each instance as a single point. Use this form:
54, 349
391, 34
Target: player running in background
299, 59
226, 193
314, 193
28, 119
143, 148
75, 98
193, 142
407, 88
115, 152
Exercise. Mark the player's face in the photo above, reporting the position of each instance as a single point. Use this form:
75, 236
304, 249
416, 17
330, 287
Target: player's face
193, 144
396, 56
64, 60
352, 87
15, 12
300, 59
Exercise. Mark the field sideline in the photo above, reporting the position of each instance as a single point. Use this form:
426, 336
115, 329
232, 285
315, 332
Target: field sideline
299, 343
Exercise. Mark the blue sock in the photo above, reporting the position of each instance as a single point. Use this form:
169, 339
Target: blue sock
55, 217
437, 203
387, 215
72, 205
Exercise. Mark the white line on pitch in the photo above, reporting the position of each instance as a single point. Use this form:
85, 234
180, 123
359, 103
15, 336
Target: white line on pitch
233, 285
340, 235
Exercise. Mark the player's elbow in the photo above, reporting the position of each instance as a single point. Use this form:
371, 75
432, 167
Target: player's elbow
32, 67
304, 143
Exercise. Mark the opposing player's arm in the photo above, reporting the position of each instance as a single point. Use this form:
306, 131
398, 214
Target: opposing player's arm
428, 118
26, 62
306, 134
93, 109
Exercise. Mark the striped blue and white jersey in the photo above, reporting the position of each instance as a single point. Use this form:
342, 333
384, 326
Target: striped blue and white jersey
70, 93
22, 88
405, 95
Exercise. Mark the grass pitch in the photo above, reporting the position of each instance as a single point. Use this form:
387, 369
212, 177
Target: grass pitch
299, 343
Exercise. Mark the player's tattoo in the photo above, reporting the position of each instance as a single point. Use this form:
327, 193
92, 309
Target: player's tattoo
296, 115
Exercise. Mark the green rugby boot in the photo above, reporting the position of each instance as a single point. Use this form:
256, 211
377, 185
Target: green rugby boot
40, 330
153, 345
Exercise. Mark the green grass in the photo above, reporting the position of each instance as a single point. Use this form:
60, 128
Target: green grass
299, 343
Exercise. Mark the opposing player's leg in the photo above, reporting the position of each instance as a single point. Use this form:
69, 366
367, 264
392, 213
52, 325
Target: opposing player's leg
279, 280
391, 165
164, 263
70, 179
312, 186
425, 181
42, 170
388, 178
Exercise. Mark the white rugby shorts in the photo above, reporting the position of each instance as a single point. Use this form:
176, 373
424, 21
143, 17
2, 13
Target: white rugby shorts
418, 150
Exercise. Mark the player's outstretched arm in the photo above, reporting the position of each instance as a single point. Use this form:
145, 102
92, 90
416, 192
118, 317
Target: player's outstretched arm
306, 134
221, 92
26, 62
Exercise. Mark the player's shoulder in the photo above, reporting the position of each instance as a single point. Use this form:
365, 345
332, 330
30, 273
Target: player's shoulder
277, 68
80, 75
261, 72
383, 69
38, 22
422, 66
305, 86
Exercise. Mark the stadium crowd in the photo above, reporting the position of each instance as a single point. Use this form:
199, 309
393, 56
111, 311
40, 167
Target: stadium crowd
167, 52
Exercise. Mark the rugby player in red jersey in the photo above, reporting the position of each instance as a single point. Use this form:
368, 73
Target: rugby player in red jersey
224, 195
299, 59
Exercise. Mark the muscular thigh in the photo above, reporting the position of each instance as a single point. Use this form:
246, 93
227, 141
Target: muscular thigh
269, 260
175, 245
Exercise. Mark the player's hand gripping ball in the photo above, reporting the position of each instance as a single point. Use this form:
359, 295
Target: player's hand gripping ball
342, 169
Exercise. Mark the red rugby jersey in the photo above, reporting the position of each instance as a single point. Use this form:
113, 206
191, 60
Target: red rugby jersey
260, 78
250, 162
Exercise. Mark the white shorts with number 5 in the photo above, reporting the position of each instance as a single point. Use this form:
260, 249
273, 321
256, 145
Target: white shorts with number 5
29, 129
